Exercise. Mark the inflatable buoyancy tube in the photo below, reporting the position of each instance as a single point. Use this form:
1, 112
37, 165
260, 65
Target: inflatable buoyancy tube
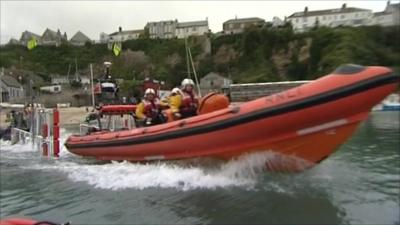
209, 103
212, 102
24, 221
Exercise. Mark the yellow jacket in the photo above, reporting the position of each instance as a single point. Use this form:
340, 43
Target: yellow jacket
140, 111
141, 108
175, 102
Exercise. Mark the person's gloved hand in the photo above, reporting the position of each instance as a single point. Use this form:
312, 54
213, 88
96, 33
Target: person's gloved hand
148, 121
177, 115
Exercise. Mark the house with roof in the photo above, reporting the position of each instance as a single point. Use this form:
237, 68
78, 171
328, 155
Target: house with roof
57, 79
162, 29
79, 39
194, 28
51, 37
27, 36
389, 17
123, 35
13, 41
104, 38
344, 16
235, 26
214, 82
277, 22
10, 89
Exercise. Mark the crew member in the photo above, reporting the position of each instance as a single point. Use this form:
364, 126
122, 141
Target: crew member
174, 102
148, 111
189, 104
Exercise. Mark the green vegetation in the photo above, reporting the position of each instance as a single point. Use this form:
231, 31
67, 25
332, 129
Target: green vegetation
257, 55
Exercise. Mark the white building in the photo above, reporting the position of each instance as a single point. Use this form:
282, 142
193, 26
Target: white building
389, 17
277, 22
195, 28
162, 29
345, 16
104, 38
56, 79
125, 35
85, 80
51, 89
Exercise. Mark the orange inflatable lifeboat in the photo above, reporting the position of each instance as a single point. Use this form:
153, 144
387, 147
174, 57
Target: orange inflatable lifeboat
308, 122
25, 221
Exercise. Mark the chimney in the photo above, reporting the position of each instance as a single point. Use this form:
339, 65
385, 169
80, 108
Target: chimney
306, 9
344, 6
120, 29
388, 3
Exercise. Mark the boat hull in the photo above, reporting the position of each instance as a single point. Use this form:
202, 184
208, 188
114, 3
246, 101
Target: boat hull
308, 122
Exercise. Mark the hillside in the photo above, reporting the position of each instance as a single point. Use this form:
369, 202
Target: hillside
257, 55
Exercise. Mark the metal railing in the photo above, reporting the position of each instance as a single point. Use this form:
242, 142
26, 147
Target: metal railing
43, 134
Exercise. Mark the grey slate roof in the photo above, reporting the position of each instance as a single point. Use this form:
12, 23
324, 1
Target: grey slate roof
80, 37
250, 19
10, 81
28, 34
213, 75
52, 33
397, 5
381, 13
13, 41
127, 32
327, 11
193, 24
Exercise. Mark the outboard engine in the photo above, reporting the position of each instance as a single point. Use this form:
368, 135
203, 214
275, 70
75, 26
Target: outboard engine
107, 89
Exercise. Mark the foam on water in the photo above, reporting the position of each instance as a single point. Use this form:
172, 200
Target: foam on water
7, 147
243, 171
121, 175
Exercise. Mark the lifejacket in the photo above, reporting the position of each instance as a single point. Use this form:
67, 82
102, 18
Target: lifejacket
189, 101
151, 108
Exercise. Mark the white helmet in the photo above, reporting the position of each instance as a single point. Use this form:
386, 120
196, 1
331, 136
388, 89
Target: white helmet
187, 81
149, 91
176, 91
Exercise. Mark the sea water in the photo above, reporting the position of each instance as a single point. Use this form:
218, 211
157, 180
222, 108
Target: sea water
359, 184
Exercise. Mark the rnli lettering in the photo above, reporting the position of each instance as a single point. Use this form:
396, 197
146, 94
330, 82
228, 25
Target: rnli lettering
283, 96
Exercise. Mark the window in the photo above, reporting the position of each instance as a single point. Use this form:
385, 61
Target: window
304, 19
323, 18
342, 16
297, 20
194, 29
